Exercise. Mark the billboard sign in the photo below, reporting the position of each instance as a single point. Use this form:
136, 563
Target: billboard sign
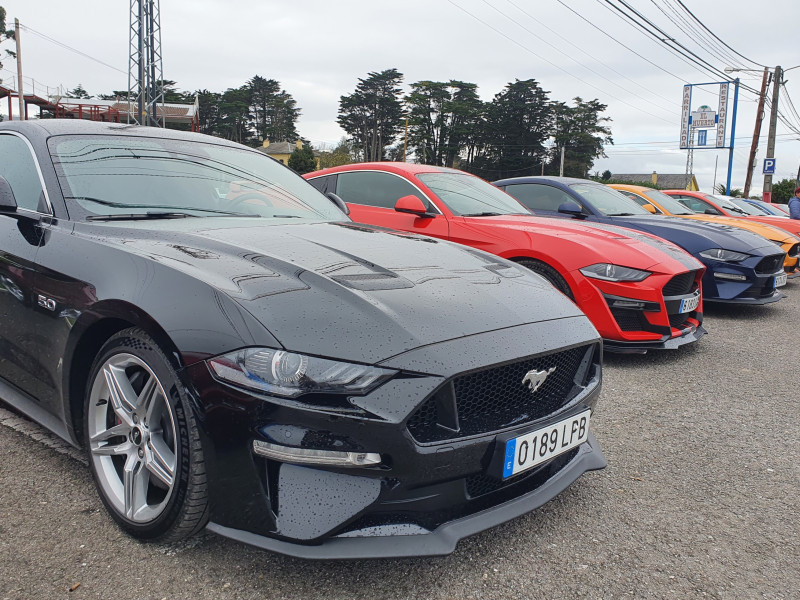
704, 118
685, 115
723, 114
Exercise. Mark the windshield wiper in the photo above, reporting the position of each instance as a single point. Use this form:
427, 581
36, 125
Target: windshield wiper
125, 205
483, 214
148, 216
620, 215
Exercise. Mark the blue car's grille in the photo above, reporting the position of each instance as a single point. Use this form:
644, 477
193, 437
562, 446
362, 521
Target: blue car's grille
770, 264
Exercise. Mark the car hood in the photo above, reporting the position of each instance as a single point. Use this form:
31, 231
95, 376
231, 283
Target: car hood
602, 242
696, 236
343, 290
790, 225
768, 231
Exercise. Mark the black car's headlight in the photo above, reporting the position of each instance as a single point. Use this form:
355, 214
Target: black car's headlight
609, 272
291, 375
724, 255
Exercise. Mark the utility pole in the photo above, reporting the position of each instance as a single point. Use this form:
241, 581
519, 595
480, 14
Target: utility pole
756, 134
405, 141
20, 93
561, 168
773, 123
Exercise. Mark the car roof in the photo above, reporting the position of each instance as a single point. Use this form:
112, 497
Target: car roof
544, 179
393, 167
631, 187
52, 127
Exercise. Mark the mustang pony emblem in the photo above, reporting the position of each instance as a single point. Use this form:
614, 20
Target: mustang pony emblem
535, 379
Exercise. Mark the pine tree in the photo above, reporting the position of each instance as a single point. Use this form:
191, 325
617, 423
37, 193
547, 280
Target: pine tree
372, 115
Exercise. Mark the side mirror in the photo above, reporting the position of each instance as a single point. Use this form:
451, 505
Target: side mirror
413, 205
710, 211
649, 208
571, 208
7, 201
340, 204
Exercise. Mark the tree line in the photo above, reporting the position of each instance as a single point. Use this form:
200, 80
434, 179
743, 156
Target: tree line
450, 126
519, 131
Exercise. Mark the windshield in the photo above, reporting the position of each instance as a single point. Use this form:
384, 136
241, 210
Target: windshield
669, 204
608, 202
467, 195
751, 209
771, 210
119, 176
729, 204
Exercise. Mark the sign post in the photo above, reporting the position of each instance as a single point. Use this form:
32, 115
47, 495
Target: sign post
705, 118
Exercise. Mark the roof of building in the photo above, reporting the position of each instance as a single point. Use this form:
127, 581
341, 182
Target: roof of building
665, 180
279, 148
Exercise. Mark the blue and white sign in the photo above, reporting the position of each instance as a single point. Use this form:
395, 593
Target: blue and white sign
702, 137
769, 166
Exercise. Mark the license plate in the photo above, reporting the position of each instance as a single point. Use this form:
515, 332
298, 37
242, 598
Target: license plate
689, 304
780, 280
536, 447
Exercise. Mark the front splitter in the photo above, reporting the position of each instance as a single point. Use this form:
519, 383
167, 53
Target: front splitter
622, 347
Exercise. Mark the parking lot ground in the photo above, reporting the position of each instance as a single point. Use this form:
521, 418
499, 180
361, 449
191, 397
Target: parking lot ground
700, 500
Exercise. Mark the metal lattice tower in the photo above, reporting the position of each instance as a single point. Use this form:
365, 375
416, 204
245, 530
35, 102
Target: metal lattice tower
145, 73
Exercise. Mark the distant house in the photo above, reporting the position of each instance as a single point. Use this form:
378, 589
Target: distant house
281, 151
664, 181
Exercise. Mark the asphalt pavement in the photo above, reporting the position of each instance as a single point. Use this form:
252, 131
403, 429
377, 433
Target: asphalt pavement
700, 500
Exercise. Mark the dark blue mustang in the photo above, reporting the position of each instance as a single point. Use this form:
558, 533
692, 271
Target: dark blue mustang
741, 267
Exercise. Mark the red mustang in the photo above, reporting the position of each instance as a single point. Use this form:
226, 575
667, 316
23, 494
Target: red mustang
640, 291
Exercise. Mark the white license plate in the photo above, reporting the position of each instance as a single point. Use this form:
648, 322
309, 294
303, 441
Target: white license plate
536, 447
689, 304
780, 280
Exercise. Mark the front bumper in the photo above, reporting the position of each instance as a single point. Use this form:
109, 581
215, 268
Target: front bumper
754, 283
440, 541
434, 486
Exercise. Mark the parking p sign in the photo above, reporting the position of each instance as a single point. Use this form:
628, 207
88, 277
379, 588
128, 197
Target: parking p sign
769, 166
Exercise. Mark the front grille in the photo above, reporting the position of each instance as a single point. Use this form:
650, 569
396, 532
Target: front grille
769, 264
628, 320
679, 285
495, 398
482, 484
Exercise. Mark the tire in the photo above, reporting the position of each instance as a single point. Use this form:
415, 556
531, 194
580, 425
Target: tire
142, 442
550, 274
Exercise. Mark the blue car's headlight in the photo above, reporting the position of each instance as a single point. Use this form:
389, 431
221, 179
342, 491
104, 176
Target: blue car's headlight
291, 375
609, 272
724, 255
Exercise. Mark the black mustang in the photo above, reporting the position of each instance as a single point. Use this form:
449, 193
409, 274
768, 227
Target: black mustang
233, 352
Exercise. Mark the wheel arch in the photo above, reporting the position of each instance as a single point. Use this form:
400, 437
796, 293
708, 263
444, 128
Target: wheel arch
88, 335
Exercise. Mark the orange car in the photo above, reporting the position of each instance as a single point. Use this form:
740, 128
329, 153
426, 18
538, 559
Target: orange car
659, 203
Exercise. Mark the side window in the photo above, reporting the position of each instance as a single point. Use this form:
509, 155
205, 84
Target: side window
540, 197
641, 201
696, 204
372, 188
324, 184
19, 169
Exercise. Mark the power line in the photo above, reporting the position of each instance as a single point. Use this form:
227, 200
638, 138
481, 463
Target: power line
691, 14
672, 108
70, 48
668, 41
611, 37
513, 41
703, 40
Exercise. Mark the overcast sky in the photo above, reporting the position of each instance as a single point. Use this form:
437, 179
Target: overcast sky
318, 50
